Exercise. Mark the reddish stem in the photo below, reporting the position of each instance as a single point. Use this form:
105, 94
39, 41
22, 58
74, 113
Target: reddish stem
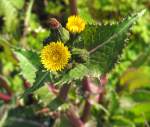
52, 88
89, 86
5, 97
86, 111
73, 7
103, 82
30, 97
64, 92
74, 119
26, 84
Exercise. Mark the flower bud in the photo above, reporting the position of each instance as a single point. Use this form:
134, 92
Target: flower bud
54, 23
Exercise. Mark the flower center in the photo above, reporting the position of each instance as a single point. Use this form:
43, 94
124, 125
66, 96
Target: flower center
56, 57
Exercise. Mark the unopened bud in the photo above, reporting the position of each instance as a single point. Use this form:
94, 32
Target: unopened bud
54, 23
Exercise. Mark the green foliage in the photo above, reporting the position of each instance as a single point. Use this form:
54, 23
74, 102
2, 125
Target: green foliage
106, 42
29, 63
41, 78
76, 73
97, 50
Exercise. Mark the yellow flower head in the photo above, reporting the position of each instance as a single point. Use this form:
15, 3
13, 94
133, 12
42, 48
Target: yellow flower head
75, 24
55, 56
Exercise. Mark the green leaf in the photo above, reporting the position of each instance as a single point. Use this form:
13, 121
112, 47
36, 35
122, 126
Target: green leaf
29, 63
41, 78
106, 42
76, 73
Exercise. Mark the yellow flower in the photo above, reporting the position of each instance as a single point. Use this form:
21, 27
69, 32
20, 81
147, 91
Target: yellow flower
75, 24
55, 56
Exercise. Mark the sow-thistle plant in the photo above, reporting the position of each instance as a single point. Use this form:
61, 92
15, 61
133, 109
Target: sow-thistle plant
79, 53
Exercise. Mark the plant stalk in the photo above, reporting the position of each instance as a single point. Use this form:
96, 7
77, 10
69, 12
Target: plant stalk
74, 119
73, 7
86, 111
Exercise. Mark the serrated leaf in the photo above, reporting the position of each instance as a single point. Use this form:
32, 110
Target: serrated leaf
77, 72
106, 42
41, 78
29, 63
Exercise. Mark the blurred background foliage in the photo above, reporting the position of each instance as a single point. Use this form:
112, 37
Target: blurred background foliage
24, 23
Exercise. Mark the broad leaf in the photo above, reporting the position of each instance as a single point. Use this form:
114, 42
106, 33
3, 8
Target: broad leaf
106, 42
